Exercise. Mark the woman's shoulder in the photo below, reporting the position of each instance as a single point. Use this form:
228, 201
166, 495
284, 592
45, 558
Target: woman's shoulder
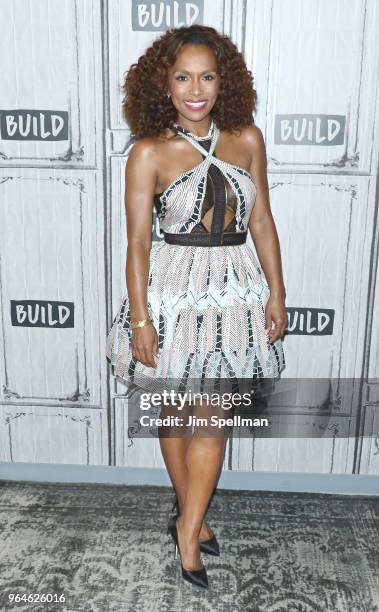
252, 136
249, 141
249, 134
152, 146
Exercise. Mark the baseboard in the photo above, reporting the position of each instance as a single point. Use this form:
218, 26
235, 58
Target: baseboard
344, 484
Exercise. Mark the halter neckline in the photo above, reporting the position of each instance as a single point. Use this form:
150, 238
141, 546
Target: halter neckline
184, 130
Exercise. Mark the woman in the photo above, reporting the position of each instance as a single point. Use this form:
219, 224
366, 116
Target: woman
198, 305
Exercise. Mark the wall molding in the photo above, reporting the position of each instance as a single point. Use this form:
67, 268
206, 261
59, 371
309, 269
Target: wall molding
337, 484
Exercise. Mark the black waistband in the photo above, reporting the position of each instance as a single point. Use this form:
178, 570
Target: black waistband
207, 240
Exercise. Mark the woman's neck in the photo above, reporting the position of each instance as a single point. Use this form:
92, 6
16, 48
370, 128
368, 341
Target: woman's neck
197, 128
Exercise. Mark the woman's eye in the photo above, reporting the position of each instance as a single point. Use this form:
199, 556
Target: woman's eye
182, 77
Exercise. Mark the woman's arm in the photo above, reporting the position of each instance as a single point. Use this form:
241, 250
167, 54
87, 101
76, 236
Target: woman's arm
140, 181
263, 232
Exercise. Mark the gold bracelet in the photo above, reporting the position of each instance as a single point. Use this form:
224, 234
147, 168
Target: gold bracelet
142, 323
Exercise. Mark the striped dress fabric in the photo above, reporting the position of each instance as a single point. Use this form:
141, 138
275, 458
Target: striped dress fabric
207, 302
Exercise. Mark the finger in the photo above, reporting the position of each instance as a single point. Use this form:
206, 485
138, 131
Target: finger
137, 351
268, 323
275, 335
136, 354
272, 329
143, 356
140, 353
155, 346
148, 358
278, 323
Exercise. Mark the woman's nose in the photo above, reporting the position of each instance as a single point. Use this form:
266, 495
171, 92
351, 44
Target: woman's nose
196, 87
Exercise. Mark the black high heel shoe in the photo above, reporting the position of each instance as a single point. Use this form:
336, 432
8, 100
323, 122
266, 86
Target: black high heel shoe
196, 577
210, 547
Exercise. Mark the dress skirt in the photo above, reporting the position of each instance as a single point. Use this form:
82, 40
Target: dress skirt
208, 307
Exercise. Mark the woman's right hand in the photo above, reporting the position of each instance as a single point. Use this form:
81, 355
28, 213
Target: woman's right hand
144, 343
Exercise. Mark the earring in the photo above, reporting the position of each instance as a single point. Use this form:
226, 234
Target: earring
168, 95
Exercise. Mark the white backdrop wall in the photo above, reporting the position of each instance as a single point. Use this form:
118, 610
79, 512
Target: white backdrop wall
63, 150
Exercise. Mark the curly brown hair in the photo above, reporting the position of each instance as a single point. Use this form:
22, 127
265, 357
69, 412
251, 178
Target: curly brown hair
147, 109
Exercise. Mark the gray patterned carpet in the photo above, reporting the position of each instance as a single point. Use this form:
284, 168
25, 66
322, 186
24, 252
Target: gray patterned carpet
106, 548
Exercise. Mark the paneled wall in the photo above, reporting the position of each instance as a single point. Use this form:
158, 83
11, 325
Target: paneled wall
54, 387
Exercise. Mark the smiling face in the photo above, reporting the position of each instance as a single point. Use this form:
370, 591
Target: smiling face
193, 83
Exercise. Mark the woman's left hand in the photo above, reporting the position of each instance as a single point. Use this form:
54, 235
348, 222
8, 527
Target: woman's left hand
276, 313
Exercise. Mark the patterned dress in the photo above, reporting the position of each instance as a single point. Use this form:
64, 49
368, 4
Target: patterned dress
206, 290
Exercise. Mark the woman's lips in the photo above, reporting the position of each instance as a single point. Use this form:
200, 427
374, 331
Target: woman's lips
196, 106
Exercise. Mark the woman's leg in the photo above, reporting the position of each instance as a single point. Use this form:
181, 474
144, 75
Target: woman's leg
204, 461
174, 443
174, 454
204, 457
